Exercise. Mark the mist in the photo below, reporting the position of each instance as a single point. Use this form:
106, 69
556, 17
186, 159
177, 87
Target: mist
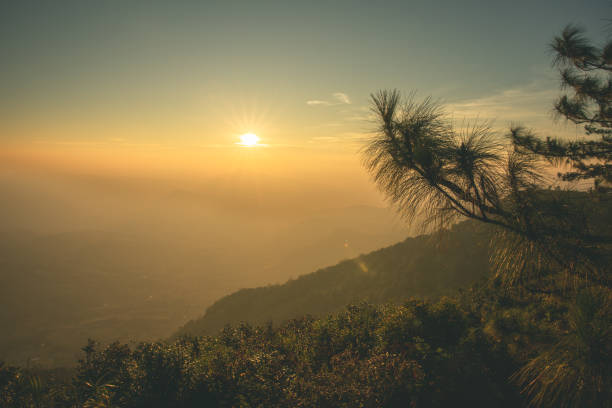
132, 254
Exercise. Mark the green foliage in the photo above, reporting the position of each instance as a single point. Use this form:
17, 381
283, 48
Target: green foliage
23, 388
425, 266
576, 370
436, 174
420, 354
459, 350
586, 71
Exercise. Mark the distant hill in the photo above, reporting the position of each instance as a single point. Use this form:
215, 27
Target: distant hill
424, 266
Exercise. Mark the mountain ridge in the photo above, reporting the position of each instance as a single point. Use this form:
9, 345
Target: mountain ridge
413, 267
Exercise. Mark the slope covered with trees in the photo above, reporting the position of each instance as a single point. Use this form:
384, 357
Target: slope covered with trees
457, 351
424, 266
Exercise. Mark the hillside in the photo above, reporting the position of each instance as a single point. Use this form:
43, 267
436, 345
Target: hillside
424, 266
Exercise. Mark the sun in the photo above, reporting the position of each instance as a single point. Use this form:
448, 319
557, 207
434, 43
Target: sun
249, 139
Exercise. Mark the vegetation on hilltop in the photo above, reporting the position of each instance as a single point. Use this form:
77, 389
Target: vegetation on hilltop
424, 266
457, 351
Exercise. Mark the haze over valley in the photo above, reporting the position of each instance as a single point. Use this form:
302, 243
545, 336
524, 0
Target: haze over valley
94, 256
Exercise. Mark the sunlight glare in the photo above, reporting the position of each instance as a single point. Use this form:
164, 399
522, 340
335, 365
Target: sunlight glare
249, 139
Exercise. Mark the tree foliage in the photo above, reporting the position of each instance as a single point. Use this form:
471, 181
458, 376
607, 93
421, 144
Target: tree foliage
586, 72
419, 354
436, 175
575, 372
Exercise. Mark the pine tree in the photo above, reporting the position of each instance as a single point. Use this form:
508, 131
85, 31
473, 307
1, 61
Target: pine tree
436, 174
586, 71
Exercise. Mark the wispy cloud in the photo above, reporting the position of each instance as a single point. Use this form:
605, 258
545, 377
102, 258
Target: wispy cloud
340, 98
317, 102
324, 139
352, 139
529, 105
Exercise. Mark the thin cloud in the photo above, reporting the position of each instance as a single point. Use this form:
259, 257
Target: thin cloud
345, 138
529, 105
318, 102
340, 98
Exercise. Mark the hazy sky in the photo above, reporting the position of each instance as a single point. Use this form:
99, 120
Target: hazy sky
175, 82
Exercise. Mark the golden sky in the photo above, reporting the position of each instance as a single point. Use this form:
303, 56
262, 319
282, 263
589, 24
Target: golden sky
168, 88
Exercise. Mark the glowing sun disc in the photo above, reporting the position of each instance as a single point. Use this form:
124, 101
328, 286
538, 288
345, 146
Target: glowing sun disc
249, 139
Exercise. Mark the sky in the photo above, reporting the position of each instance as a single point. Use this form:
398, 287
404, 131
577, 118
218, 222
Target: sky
169, 86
